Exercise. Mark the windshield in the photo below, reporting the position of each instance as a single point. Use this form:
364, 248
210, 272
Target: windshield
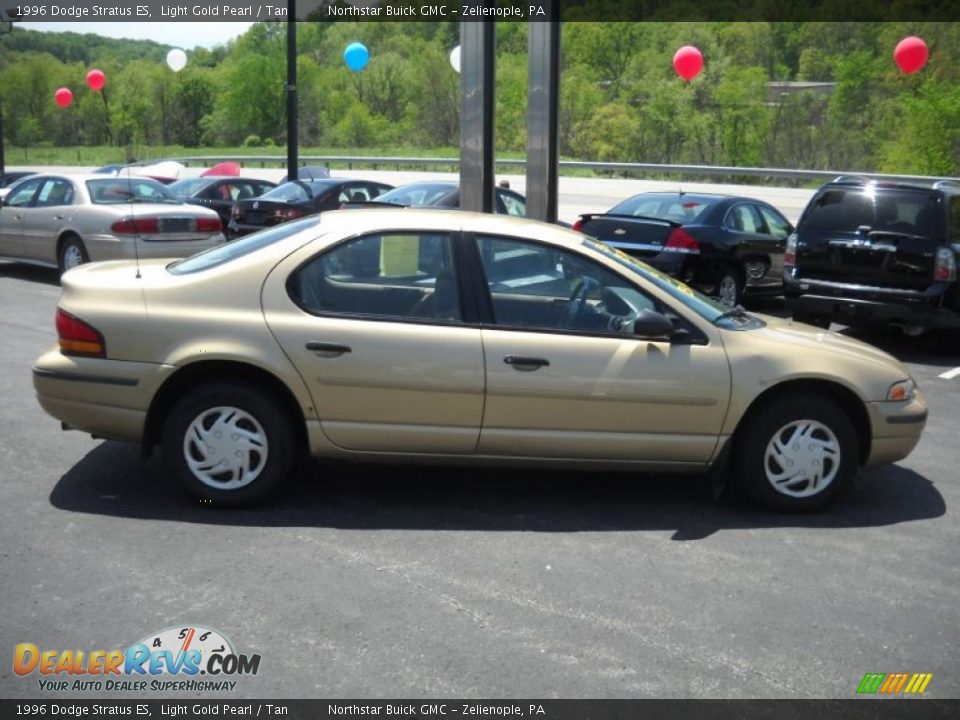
419, 194
681, 208
239, 248
702, 305
119, 191
183, 188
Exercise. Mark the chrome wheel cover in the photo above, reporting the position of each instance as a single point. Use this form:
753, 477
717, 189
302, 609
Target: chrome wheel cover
225, 448
72, 257
802, 458
727, 290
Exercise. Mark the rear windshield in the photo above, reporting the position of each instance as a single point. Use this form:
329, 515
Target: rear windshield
420, 194
118, 191
677, 208
297, 190
188, 186
897, 211
238, 248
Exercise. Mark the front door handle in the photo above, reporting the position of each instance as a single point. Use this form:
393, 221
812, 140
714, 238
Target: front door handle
525, 364
329, 350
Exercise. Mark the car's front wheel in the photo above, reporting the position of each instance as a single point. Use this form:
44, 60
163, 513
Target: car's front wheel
796, 453
229, 444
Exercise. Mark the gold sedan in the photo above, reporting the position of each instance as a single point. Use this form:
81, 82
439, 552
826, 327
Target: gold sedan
430, 335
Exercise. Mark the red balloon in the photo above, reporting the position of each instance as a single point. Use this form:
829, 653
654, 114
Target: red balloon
688, 62
911, 54
63, 97
96, 80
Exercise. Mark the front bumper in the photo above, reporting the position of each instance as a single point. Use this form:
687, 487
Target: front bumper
896, 428
106, 398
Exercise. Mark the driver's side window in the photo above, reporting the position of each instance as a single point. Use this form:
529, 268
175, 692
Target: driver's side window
544, 287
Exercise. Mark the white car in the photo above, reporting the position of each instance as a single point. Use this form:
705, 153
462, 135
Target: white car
66, 220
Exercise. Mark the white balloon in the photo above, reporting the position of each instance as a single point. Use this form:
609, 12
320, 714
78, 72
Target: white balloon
455, 58
176, 59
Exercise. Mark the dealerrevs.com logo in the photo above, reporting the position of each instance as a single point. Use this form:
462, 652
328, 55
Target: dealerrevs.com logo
894, 683
185, 659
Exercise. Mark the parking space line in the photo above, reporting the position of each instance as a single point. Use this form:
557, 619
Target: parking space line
950, 374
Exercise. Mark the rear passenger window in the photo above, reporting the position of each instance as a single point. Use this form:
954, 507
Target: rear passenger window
402, 276
955, 219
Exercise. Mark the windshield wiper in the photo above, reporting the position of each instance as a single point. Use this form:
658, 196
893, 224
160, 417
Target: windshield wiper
736, 311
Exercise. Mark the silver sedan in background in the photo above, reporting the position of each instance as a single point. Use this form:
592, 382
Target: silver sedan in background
66, 220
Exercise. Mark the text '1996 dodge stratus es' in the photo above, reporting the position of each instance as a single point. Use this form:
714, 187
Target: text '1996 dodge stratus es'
431, 335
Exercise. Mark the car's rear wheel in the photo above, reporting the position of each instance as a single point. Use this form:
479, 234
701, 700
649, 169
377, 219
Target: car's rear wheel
729, 287
796, 453
229, 444
72, 253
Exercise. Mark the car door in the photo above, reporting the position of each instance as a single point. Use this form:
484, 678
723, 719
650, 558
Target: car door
752, 244
11, 216
43, 220
779, 228
375, 327
566, 376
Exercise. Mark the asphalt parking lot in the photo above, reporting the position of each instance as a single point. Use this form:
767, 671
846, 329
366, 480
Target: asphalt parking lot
408, 582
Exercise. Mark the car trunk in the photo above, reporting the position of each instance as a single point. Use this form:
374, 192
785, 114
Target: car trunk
889, 240
261, 212
637, 236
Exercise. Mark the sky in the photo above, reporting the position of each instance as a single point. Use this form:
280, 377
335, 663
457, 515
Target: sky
187, 35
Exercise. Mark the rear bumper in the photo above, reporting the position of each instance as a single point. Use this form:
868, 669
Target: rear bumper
863, 305
111, 247
106, 398
857, 311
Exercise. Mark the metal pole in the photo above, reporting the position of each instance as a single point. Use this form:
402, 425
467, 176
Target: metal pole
3, 162
478, 57
292, 141
542, 102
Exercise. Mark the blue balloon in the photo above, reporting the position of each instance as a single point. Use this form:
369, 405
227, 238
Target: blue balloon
356, 56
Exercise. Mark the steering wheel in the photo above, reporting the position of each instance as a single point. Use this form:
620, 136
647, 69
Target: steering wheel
578, 298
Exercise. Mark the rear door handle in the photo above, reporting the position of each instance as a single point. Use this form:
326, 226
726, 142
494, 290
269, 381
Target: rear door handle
525, 364
329, 350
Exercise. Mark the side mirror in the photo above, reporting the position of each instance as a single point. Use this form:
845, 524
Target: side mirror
650, 324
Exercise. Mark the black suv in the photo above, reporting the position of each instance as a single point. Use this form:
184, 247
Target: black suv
875, 253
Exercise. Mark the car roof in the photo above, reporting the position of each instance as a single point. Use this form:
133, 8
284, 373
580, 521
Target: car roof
361, 220
845, 182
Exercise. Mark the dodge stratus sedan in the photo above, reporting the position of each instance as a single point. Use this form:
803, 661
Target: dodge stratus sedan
460, 338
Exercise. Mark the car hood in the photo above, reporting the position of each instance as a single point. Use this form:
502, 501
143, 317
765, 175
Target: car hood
784, 349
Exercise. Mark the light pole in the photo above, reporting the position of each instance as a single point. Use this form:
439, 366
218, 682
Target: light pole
292, 162
5, 27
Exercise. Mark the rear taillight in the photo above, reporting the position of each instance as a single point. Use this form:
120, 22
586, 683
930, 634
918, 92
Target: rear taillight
211, 225
790, 253
578, 225
77, 337
945, 268
681, 241
288, 213
136, 226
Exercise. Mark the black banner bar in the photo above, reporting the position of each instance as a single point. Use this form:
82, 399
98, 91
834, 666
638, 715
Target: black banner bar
854, 709
496, 10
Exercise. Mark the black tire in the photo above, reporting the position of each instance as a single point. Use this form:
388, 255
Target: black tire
820, 321
71, 244
728, 288
775, 417
253, 407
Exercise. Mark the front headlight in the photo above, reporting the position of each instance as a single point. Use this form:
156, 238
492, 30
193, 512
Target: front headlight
902, 391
